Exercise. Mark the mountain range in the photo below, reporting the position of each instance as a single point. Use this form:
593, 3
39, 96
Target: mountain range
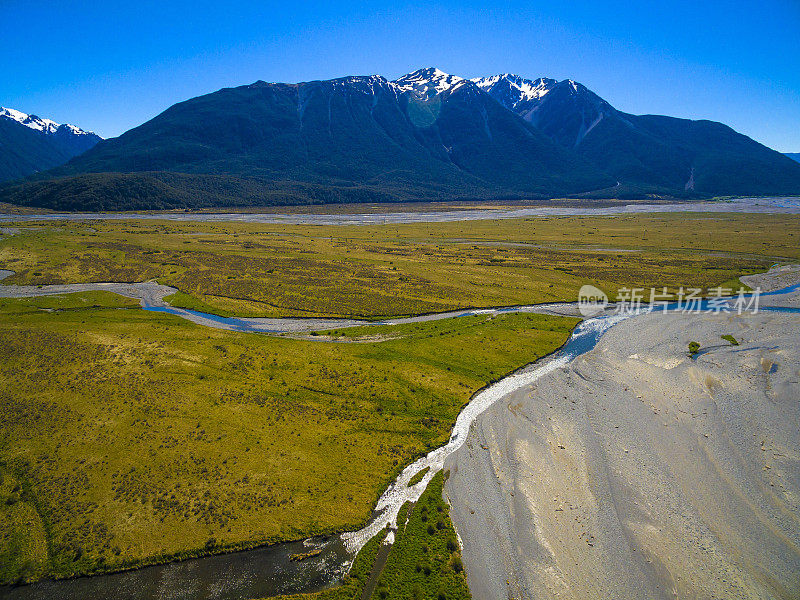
427, 136
29, 144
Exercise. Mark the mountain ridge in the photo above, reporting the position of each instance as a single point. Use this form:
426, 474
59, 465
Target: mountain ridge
650, 152
29, 144
427, 135
36, 123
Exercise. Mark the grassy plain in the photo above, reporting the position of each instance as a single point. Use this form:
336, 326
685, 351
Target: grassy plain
131, 436
252, 269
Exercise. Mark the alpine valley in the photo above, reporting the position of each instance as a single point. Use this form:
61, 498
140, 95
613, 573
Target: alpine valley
426, 136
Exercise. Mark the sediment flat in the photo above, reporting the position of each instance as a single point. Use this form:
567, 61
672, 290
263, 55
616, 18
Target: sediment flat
427, 213
639, 472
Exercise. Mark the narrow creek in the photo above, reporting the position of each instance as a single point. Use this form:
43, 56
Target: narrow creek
268, 571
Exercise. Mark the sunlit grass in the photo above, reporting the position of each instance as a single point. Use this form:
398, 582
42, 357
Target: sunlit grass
130, 437
141, 436
252, 269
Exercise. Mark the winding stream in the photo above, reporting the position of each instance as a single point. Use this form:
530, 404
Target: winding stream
268, 571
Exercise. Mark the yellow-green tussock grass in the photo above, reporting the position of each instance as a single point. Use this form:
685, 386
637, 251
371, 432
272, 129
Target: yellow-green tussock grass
141, 436
251, 269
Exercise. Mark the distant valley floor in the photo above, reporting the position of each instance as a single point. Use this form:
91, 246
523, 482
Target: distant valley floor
427, 212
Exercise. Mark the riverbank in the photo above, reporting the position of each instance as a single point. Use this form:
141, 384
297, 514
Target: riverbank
638, 472
154, 296
429, 213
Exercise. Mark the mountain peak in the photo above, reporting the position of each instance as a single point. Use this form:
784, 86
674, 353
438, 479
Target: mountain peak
31, 121
36, 123
512, 90
427, 82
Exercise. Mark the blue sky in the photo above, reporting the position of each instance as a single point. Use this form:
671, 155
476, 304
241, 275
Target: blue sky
109, 66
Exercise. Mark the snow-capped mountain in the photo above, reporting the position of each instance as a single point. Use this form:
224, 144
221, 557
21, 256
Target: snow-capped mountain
565, 110
46, 126
427, 135
29, 143
426, 83
31, 121
513, 91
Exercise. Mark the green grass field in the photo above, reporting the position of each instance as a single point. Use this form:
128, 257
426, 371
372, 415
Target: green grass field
130, 436
251, 269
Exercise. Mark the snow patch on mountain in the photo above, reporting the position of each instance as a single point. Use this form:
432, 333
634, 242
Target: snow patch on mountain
426, 83
46, 126
585, 130
513, 89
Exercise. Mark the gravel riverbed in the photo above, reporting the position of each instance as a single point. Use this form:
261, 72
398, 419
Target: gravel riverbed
639, 472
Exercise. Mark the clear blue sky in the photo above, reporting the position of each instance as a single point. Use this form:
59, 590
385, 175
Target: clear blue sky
109, 66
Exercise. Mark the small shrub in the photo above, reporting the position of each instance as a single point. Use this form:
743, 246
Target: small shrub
731, 339
694, 348
458, 566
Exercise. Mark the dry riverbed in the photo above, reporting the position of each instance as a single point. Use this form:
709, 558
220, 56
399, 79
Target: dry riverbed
638, 472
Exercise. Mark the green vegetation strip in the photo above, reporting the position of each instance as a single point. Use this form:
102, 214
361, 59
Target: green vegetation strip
425, 561
353, 584
418, 477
